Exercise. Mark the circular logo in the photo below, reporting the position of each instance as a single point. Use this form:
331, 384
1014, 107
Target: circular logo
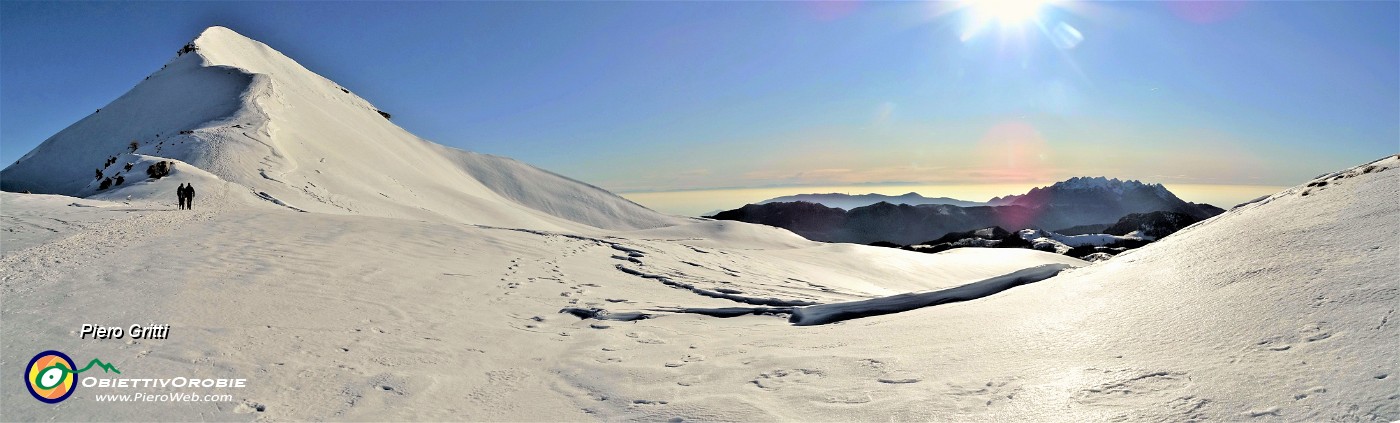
49, 377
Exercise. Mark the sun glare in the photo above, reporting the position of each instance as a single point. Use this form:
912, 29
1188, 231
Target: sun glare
1006, 12
1009, 16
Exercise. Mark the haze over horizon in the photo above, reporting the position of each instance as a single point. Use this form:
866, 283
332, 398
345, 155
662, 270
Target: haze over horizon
720, 98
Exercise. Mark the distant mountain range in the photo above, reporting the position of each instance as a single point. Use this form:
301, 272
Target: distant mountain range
1102, 200
1066, 204
847, 201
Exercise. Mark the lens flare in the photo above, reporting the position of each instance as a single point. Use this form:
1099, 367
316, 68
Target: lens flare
1018, 19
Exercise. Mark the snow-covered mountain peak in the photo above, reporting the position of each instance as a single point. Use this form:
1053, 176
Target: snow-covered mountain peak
218, 39
1114, 185
1100, 182
220, 46
1097, 194
248, 115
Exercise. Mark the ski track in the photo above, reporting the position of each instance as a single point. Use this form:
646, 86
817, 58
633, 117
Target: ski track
99, 238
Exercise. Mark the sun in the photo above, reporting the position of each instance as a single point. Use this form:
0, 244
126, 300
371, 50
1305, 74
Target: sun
1008, 14
1005, 12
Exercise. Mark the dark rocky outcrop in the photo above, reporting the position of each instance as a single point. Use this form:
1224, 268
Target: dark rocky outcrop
994, 232
1083, 229
811, 220
1155, 224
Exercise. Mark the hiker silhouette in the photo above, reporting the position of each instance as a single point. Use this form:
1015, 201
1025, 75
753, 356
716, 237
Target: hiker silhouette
186, 195
189, 196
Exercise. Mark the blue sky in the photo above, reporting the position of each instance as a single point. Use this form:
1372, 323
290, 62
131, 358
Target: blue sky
663, 96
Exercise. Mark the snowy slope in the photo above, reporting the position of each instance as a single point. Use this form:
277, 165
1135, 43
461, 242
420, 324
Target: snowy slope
249, 115
1283, 310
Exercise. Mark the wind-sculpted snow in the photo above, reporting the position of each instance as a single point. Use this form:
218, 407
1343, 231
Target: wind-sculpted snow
275, 200
807, 314
601, 314
831, 313
726, 312
715, 293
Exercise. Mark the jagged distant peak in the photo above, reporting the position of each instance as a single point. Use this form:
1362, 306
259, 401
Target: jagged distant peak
1091, 182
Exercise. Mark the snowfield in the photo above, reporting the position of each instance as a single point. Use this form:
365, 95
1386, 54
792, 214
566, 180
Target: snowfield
425, 283
322, 312
1060, 244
